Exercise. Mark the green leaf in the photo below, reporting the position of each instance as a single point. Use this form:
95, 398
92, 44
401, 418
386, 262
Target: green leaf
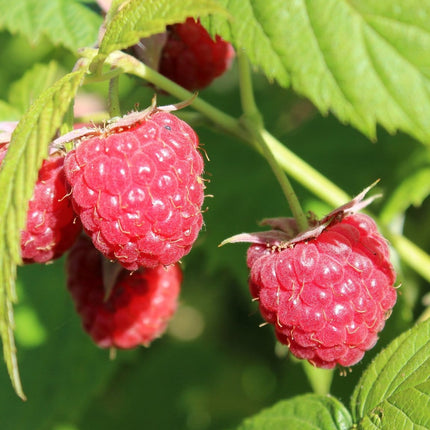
24, 91
8, 112
365, 61
70, 23
142, 18
394, 391
309, 411
66, 362
412, 191
18, 175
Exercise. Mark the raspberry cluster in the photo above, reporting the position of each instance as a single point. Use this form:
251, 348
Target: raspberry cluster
135, 188
327, 297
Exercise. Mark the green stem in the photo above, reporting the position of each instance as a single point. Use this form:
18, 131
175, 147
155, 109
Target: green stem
302, 172
254, 124
113, 99
320, 379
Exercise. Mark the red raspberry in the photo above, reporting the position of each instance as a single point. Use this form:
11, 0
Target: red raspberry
138, 190
138, 307
327, 297
52, 225
191, 58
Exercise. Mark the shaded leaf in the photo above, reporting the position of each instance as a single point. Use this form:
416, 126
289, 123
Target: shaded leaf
367, 62
70, 23
309, 411
412, 191
18, 174
394, 391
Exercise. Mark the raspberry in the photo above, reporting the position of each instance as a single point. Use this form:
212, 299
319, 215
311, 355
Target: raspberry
137, 189
327, 297
191, 58
138, 307
51, 226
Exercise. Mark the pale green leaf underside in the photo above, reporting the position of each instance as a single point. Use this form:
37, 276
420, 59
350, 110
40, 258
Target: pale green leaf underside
65, 22
306, 412
142, 18
367, 62
18, 173
399, 377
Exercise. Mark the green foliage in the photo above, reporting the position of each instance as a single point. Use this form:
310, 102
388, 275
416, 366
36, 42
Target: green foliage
367, 63
70, 23
307, 412
18, 174
341, 55
142, 18
412, 191
395, 391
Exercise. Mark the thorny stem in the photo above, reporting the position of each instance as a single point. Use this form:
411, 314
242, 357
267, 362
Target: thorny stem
254, 124
297, 168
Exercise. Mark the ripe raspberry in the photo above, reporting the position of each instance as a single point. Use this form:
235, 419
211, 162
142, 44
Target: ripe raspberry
327, 297
139, 305
138, 191
52, 226
191, 58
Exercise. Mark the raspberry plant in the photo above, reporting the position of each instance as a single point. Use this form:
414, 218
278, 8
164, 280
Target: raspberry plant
285, 135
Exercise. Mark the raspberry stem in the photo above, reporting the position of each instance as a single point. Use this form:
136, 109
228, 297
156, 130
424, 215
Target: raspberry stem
113, 99
254, 123
297, 168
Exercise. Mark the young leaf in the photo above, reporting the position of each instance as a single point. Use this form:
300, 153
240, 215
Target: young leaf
18, 174
142, 18
395, 388
65, 22
306, 412
366, 61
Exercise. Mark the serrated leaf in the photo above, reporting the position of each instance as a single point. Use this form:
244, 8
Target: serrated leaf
412, 191
408, 410
70, 23
367, 62
309, 411
18, 174
142, 18
395, 388
24, 91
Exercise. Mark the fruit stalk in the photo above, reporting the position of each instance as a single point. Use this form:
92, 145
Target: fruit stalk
301, 171
254, 124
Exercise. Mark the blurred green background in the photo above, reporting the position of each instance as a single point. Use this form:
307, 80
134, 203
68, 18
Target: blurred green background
215, 365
